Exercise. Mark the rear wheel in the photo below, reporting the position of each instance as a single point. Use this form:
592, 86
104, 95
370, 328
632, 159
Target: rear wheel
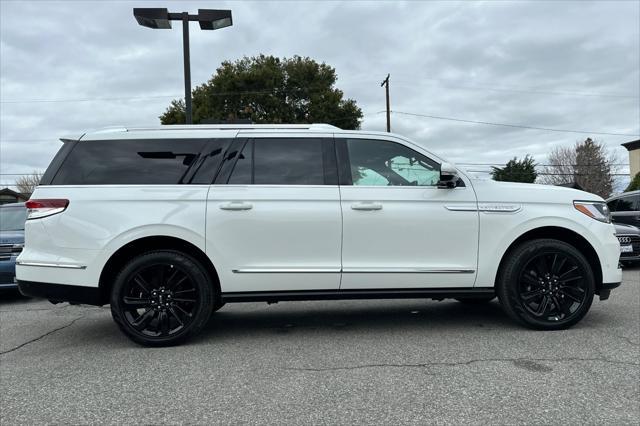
546, 284
162, 298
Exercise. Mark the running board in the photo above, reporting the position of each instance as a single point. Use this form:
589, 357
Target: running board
401, 293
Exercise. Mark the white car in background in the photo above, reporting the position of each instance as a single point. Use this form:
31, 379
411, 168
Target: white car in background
169, 223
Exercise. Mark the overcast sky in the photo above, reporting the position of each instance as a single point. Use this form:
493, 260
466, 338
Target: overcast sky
563, 65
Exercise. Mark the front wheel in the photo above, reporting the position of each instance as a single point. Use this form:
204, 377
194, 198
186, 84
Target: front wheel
546, 284
162, 298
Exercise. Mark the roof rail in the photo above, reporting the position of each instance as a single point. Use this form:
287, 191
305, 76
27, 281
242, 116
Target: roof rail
314, 126
324, 126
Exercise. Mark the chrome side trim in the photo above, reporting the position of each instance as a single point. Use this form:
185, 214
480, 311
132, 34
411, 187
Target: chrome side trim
406, 271
485, 207
51, 265
352, 271
499, 207
285, 270
462, 208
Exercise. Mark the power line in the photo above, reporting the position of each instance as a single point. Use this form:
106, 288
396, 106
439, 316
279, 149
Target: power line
552, 174
458, 164
522, 90
520, 126
541, 165
27, 140
133, 98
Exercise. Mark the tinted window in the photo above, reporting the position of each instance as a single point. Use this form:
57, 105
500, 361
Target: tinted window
144, 161
625, 204
282, 161
242, 171
57, 161
207, 165
384, 163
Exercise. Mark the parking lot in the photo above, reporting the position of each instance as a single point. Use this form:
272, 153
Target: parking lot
380, 361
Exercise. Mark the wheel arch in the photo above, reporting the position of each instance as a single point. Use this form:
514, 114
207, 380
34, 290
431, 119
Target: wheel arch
561, 234
151, 243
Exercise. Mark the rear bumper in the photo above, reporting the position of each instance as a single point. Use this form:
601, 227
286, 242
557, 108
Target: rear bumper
62, 293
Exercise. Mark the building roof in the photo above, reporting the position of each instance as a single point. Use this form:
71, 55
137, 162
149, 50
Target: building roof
8, 191
633, 145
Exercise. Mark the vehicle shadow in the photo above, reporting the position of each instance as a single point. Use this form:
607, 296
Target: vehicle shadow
330, 317
11, 297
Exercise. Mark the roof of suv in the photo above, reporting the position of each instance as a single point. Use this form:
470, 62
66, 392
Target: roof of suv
110, 132
193, 130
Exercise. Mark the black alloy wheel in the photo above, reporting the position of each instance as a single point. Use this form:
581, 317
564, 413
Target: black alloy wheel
546, 284
161, 298
552, 286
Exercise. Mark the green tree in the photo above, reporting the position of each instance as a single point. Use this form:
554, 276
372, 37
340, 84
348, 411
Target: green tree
587, 163
516, 171
634, 185
593, 168
266, 89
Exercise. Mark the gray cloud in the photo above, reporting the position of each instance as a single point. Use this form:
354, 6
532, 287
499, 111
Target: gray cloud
487, 61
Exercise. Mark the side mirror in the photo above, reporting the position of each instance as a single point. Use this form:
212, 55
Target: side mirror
448, 176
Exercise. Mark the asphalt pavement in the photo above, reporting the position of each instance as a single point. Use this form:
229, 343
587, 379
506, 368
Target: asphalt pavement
329, 362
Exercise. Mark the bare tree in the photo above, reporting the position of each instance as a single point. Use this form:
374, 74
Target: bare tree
26, 184
587, 163
561, 166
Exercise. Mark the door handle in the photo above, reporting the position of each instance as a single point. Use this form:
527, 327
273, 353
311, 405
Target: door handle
366, 206
236, 205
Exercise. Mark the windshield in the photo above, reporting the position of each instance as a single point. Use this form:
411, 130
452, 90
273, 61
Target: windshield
12, 218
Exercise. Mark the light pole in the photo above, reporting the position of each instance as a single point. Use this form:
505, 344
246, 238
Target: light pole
385, 83
160, 18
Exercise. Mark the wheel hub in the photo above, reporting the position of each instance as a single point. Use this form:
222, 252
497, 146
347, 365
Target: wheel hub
161, 299
550, 285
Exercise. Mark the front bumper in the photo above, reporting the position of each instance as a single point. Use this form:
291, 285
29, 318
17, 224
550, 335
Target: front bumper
8, 286
62, 293
605, 290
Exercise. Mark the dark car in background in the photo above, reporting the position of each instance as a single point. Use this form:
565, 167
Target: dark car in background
625, 208
12, 219
629, 237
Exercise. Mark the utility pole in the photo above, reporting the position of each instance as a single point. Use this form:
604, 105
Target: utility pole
187, 67
385, 83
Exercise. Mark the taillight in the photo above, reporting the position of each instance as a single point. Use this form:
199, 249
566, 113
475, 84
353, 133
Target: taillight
46, 207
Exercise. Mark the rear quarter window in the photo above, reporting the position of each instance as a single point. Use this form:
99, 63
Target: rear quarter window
140, 162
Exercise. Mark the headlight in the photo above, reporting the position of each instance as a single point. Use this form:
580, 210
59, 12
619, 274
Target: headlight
594, 209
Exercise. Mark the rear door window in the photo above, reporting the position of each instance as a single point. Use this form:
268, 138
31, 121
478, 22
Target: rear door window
285, 161
136, 162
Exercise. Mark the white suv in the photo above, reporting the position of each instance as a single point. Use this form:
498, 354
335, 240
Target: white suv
167, 224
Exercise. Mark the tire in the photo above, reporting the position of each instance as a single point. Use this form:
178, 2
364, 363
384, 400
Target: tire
475, 300
546, 284
217, 306
162, 298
